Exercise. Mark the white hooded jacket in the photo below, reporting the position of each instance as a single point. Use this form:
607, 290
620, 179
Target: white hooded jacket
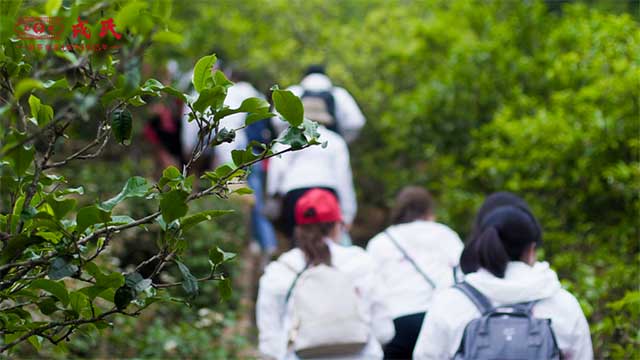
436, 250
349, 117
451, 311
316, 167
272, 315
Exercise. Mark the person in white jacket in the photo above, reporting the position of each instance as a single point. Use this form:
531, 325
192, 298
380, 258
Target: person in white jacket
504, 246
414, 256
343, 109
319, 221
236, 94
294, 173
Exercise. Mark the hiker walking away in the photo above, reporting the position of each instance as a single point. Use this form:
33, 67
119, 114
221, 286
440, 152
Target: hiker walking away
261, 229
321, 299
512, 307
414, 256
329, 104
292, 174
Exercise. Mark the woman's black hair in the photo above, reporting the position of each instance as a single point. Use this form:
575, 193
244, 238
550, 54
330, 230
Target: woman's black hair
504, 235
469, 259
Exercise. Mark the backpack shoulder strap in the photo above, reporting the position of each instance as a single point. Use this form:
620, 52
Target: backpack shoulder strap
295, 280
406, 256
477, 298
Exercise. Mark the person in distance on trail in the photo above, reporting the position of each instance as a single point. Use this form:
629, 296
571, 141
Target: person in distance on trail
292, 174
508, 280
414, 257
328, 104
321, 299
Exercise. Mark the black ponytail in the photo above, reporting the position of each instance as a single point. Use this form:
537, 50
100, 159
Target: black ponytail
491, 253
503, 235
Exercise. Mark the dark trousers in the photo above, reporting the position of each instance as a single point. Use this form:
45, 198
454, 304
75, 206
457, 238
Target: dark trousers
288, 219
407, 330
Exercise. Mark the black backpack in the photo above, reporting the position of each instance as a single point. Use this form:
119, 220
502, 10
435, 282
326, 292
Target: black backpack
327, 97
506, 332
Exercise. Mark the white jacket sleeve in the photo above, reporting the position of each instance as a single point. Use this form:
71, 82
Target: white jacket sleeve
271, 333
349, 116
275, 174
581, 349
345, 189
435, 336
381, 320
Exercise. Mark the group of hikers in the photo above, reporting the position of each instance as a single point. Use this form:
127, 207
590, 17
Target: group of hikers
416, 291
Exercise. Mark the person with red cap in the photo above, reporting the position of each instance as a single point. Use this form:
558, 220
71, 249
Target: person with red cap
321, 299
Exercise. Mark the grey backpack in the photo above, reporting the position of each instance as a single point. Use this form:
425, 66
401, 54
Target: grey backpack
505, 333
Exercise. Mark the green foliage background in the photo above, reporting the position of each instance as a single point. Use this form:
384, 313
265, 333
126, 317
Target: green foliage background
465, 98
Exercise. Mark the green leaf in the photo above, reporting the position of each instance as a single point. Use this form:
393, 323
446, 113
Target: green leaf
225, 136
121, 125
171, 91
170, 175
243, 191
224, 287
219, 256
123, 296
255, 117
130, 16
78, 302
173, 205
219, 79
90, 215
25, 86
136, 186
111, 96
112, 280
203, 71
48, 306
289, 106
60, 269
121, 220
76, 190
189, 282
211, 97
52, 6
167, 37
35, 341
190, 221
60, 207
294, 137
21, 158
135, 281
136, 101
54, 288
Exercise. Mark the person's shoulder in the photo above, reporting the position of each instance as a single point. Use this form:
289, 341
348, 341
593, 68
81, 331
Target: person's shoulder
564, 300
291, 262
376, 242
353, 257
340, 91
451, 299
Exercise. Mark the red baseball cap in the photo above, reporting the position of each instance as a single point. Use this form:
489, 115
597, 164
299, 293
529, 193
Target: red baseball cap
317, 206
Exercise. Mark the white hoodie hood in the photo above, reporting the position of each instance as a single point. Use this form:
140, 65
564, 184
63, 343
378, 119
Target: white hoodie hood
316, 82
521, 283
